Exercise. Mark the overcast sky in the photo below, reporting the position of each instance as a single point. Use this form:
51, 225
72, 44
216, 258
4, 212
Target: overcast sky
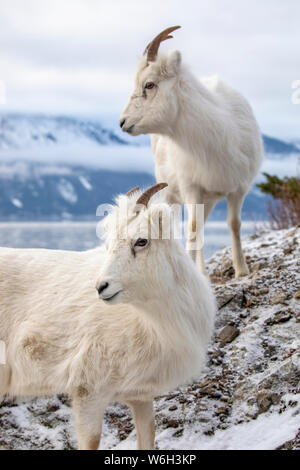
79, 56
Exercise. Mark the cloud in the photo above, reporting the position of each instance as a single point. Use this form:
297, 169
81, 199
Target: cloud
110, 157
281, 166
79, 56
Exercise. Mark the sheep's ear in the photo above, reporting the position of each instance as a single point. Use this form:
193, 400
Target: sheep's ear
174, 62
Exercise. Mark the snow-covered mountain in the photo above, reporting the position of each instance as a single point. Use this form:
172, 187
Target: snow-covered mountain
19, 131
54, 167
23, 131
30, 191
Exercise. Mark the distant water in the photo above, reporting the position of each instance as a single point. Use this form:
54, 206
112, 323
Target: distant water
82, 235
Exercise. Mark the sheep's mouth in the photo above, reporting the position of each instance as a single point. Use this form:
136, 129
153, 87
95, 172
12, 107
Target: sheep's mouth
129, 129
107, 299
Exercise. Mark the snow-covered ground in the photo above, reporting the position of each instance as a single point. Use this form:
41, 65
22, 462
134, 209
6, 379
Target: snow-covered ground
249, 395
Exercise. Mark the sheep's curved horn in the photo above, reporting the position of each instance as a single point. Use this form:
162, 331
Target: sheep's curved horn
132, 191
152, 48
146, 196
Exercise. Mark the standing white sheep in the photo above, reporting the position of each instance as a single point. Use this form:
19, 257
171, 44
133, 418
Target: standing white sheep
147, 334
205, 139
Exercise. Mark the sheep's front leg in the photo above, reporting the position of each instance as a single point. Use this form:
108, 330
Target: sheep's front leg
88, 414
144, 424
235, 203
195, 235
197, 215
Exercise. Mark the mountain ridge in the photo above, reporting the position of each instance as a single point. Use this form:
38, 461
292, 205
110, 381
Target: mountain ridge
47, 129
62, 167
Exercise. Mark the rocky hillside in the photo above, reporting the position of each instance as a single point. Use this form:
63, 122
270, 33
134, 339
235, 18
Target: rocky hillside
249, 395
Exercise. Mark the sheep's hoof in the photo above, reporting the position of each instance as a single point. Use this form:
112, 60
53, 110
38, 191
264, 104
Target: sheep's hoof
241, 272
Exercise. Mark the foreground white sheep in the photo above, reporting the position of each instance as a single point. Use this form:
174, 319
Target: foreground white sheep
205, 139
147, 334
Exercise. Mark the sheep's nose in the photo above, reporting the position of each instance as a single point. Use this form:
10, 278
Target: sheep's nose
122, 122
102, 287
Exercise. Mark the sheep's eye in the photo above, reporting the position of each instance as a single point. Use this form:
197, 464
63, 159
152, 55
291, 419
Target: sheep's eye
149, 85
141, 242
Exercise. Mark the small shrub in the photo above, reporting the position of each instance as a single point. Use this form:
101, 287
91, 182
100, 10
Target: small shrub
284, 211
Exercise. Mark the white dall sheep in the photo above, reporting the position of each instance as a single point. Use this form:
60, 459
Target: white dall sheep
147, 334
205, 139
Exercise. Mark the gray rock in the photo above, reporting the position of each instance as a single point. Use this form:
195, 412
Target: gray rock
228, 334
265, 400
277, 299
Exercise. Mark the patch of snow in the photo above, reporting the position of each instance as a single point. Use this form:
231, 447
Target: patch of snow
85, 183
16, 202
67, 191
267, 432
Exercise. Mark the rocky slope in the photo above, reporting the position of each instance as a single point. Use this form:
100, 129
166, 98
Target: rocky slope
249, 395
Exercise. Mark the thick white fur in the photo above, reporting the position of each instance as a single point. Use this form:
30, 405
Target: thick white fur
205, 139
61, 338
